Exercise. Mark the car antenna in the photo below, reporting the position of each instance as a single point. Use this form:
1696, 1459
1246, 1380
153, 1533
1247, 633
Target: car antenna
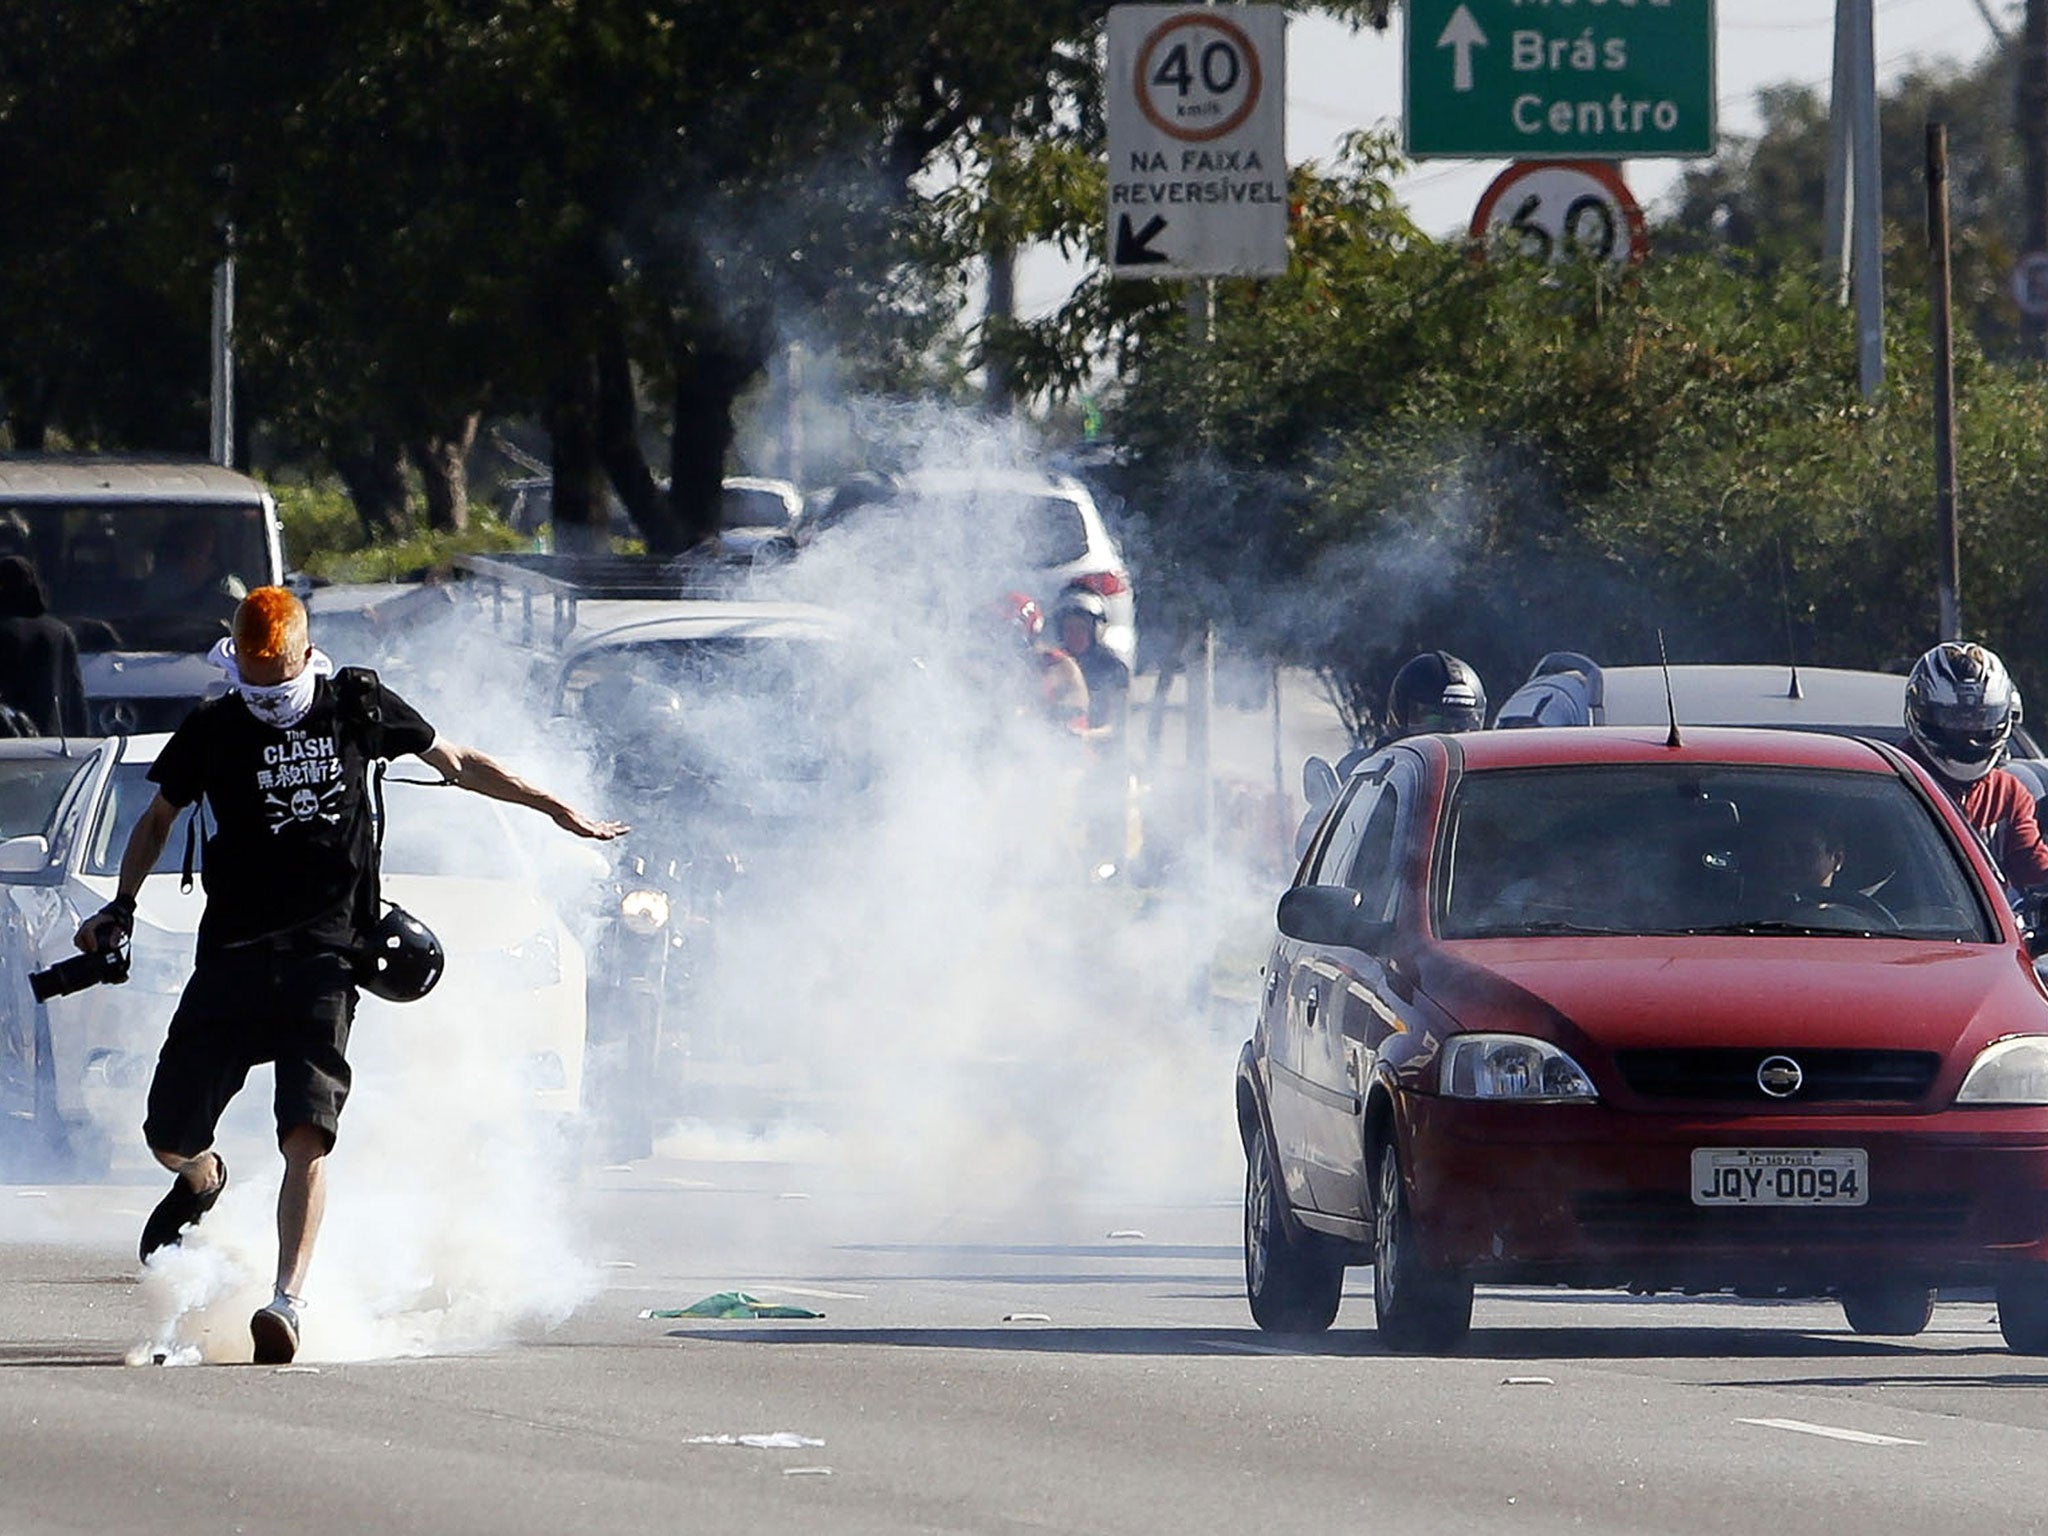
1670, 706
1793, 691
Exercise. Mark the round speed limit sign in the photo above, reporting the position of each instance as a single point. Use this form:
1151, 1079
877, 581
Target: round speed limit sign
1198, 77
1561, 210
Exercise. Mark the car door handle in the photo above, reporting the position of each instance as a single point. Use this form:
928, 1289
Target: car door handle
1309, 1009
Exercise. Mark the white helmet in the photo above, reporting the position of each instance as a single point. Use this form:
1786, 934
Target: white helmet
1961, 706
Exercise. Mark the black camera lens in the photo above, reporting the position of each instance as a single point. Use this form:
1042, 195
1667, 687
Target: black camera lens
78, 973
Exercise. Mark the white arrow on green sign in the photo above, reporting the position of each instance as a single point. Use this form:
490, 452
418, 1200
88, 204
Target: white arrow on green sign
1560, 79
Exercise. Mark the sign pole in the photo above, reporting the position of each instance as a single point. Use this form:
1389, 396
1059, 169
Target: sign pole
1947, 589
1867, 197
1201, 667
221, 422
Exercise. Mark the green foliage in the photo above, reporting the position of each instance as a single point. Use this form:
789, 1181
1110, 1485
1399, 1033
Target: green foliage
323, 537
1400, 447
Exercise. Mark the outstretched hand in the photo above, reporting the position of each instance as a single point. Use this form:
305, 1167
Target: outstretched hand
569, 819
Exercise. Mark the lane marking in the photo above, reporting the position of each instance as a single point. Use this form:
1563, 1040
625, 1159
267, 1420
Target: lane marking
1830, 1432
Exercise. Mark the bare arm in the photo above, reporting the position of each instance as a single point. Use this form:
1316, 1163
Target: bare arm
482, 774
145, 844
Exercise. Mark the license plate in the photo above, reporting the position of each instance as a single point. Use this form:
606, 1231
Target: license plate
1780, 1176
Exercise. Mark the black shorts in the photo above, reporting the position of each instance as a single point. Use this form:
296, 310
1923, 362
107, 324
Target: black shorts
289, 1006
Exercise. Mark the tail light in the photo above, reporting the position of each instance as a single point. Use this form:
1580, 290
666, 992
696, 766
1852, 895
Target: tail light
1103, 583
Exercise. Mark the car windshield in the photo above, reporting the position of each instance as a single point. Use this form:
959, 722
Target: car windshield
30, 788
1691, 849
141, 578
433, 831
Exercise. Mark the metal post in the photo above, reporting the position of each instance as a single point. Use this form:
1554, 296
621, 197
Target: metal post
1835, 213
1867, 195
221, 424
1947, 586
2031, 108
792, 445
1201, 670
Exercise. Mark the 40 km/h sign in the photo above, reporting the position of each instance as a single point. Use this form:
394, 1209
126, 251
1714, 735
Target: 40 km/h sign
1197, 140
1560, 79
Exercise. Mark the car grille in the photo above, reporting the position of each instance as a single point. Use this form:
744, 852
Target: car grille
1830, 1076
1656, 1218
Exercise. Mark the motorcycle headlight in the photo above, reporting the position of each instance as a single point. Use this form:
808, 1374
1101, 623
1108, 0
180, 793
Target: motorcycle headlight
644, 912
1511, 1067
2013, 1071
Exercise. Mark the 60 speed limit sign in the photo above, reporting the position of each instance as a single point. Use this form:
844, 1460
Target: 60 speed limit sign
1197, 148
1561, 210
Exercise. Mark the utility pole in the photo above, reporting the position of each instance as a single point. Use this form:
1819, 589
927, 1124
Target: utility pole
2031, 107
1947, 589
1854, 212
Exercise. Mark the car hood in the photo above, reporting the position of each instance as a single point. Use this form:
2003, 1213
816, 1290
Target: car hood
1740, 992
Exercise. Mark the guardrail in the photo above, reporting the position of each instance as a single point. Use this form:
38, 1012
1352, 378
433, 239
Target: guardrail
550, 586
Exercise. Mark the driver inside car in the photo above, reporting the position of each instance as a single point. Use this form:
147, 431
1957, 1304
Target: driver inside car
1793, 859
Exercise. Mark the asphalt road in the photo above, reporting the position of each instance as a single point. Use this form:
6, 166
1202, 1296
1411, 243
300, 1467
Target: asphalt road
1025, 1373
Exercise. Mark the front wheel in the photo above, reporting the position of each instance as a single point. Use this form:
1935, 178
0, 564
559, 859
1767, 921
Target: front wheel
1888, 1307
2023, 1313
1418, 1307
1294, 1284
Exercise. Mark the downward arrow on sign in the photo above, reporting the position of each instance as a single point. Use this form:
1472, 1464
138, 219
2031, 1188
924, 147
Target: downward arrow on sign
1462, 34
1134, 246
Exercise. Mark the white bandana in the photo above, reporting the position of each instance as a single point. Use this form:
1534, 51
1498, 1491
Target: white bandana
283, 705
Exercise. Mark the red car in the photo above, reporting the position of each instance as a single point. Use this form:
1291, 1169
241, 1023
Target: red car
1583, 1007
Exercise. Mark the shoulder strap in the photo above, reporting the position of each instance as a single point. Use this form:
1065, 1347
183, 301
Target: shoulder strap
191, 846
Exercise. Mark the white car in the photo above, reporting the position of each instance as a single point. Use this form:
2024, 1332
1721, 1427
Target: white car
450, 858
1065, 545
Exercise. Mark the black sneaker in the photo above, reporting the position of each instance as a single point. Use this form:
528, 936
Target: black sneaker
180, 1209
275, 1329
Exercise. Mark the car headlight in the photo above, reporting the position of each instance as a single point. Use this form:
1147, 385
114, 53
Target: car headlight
1511, 1067
644, 912
2013, 1071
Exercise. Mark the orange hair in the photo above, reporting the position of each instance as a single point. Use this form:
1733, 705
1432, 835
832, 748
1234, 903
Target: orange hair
270, 624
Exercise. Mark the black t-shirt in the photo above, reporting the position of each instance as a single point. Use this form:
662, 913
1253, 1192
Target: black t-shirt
292, 838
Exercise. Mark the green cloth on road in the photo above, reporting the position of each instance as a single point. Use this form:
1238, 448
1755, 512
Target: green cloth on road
733, 1304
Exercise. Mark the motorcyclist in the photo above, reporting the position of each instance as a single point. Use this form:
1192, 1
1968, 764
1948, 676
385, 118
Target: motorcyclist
1433, 691
1080, 621
1060, 690
1961, 707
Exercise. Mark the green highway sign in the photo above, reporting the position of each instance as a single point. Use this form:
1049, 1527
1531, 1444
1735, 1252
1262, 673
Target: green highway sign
1560, 79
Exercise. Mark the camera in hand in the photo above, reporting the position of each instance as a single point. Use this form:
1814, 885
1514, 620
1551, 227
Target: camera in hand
78, 973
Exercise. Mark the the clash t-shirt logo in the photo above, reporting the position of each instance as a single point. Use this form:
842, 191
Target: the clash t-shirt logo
301, 779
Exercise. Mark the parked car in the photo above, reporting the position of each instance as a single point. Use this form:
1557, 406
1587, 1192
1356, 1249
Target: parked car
145, 560
1582, 1007
1061, 542
37, 780
450, 858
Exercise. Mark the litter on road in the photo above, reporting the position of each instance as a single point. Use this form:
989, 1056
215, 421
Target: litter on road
730, 1304
780, 1440
806, 1471
1027, 1317
1527, 1381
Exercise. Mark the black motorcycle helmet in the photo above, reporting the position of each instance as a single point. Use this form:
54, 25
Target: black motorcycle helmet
401, 960
1435, 692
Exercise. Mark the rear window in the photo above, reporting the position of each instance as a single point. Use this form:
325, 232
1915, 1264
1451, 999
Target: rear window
1644, 849
742, 506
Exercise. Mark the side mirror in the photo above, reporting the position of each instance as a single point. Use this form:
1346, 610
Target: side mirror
24, 855
1318, 782
1332, 916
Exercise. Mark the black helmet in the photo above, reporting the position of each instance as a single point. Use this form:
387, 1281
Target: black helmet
401, 960
1961, 707
1435, 692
